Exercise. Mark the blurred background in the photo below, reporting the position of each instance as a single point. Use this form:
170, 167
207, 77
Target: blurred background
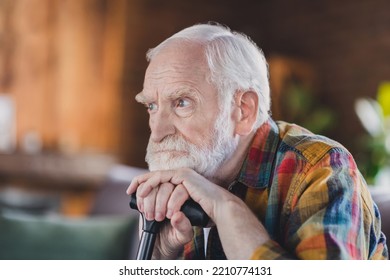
70, 128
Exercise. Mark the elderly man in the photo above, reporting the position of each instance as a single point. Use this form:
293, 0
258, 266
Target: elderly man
273, 190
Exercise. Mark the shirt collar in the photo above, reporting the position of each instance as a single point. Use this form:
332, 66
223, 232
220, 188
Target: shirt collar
258, 166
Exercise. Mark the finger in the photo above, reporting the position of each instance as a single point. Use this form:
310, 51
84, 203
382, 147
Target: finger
176, 200
151, 179
162, 198
157, 178
140, 202
182, 225
149, 203
138, 180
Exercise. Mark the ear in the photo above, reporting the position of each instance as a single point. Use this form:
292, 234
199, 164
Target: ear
245, 111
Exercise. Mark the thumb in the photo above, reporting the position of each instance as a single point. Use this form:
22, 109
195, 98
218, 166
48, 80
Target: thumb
182, 227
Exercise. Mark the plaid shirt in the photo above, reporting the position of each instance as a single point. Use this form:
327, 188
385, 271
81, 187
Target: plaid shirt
309, 195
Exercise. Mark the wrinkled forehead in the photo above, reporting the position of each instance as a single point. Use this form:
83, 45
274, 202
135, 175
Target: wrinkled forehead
179, 59
176, 71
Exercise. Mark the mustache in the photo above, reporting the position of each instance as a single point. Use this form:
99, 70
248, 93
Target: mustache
170, 143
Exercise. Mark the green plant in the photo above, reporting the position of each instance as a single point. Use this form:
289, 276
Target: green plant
375, 144
300, 106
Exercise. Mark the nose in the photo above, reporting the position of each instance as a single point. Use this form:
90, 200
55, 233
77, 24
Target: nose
161, 125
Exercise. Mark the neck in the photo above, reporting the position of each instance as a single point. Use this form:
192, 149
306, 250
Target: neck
231, 167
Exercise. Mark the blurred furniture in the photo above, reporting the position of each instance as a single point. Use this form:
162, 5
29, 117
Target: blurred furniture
75, 179
111, 198
110, 231
381, 196
56, 169
112, 201
44, 237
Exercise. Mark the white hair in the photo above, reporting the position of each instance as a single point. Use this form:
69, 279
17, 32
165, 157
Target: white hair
234, 60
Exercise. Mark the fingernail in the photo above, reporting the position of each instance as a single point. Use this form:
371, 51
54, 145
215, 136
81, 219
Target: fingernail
169, 214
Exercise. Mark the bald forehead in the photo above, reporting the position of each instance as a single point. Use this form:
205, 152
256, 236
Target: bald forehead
182, 48
180, 52
182, 58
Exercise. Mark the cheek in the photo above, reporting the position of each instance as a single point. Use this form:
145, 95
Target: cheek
198, 129
199, 133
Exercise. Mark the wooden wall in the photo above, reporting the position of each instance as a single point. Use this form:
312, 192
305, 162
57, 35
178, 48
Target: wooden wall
74, 67
62, 63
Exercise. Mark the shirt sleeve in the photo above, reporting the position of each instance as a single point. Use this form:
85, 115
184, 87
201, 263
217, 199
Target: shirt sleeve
329, 215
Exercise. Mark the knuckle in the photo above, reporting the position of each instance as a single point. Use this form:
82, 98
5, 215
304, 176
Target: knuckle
181, 173
166, 186
180, 190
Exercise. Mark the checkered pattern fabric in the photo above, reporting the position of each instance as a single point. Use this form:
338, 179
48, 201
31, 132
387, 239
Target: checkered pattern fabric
310, 196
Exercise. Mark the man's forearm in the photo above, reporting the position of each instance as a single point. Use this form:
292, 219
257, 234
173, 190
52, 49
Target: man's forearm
235, 222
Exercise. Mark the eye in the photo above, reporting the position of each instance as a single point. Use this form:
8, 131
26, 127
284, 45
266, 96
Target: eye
183, 103
184, 107
151, 107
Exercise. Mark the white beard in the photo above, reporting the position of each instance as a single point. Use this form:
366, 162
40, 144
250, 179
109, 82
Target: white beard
174, 152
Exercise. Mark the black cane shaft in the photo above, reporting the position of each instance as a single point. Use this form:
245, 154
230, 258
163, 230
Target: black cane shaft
150, 229
146, 246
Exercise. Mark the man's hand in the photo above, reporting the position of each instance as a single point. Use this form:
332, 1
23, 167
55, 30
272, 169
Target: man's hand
161, 194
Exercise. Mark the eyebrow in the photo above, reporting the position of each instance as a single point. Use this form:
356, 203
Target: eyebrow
181, 92
141, 98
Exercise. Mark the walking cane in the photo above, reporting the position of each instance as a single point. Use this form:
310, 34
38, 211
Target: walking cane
150, 229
